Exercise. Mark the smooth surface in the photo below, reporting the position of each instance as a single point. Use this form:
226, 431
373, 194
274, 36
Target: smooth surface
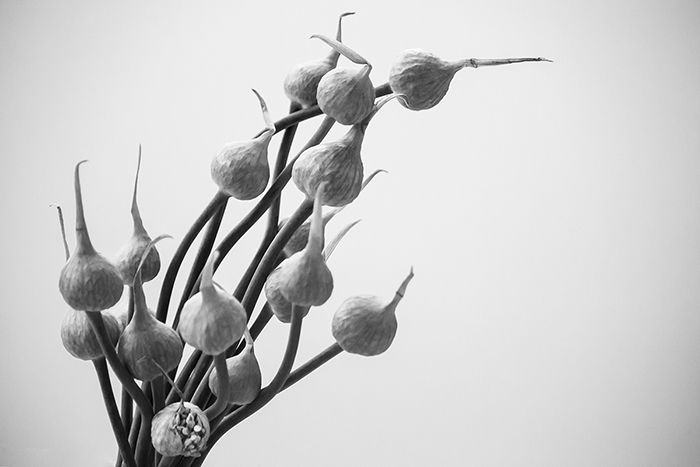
550, 210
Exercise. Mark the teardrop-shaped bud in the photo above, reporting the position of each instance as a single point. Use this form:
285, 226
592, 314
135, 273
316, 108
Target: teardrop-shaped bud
298, 240
146, 343
180, 429
241, 168
129, 256
244, 376
212, 320
280, 306
78, 337
301, 82
366, 325
88, 281
346, 94
424, 78
304, 277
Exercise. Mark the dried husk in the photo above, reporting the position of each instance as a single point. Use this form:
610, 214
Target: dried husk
180, 429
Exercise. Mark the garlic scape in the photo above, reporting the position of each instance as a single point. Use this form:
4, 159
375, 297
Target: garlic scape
280, 306
212, 320
337, 163
245, 378
88, 281
241, 169
366, 325
128, 258
346, 94
301, 82
424, 78
146, 340
304, 277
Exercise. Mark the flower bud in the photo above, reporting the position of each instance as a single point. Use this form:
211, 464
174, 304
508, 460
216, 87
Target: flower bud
147, 344
212, 320
180, 429
79, 339
365, 325
245, 379
304, 277
346, 94
301, 83
241, 168
88, 281
129, 256
423, 78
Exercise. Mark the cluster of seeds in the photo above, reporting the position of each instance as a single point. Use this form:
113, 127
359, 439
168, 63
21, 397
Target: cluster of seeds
189, 427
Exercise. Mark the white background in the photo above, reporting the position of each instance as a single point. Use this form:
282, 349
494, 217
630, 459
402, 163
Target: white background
551, 213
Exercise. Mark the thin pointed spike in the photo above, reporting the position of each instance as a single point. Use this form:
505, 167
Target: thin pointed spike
146, 251
83, 244
402, 289
339, 33
269, 124
371, 176
63, 229
479, 62
328, 251
135, 214
343, 49
207, 281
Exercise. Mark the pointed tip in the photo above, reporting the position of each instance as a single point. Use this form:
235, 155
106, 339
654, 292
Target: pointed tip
347, 13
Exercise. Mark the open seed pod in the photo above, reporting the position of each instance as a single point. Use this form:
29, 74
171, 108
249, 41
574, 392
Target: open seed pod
244, 376
366, 325
129, 256
88, 281
78, 337
301, 83
146, 340
337, 163
280, 306
180, 429
212, 320
241, 168
304, 278
424, 78
298, 240
346, 94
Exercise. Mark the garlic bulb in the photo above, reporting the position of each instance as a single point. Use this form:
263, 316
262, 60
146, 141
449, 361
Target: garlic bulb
346, 94
79, 339
365, 325
245, 378
241, 168
301, 83
304, 278
88, 281
180, 429
212, 320
129, 256
423, 78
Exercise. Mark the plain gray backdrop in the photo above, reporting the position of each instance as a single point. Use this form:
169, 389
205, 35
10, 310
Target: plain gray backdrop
551, 212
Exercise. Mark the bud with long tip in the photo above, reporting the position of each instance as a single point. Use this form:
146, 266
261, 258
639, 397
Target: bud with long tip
301, 83
241, 168
244, 376
366, 325
280, 306
88, 281
298, 240
304, 277
212, 320
424, 78
145, 339
129, 256
346, 94
337, 163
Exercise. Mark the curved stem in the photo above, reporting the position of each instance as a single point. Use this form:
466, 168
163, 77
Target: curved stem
113, 412
144, 450
122, 373
184, 376
200, 260
313, 364
127, 403
222, 399
267, 393
179, 255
